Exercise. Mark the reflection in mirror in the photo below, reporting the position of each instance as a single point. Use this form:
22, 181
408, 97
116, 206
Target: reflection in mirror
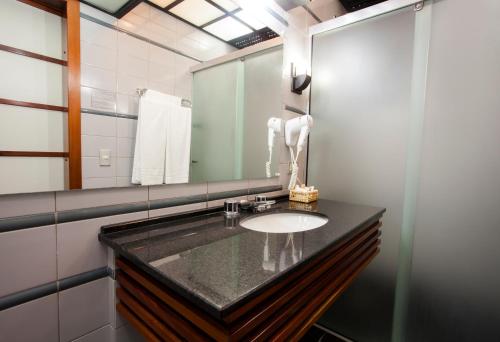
151, 47
232, 103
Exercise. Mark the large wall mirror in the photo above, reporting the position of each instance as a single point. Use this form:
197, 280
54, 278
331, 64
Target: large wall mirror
194, 90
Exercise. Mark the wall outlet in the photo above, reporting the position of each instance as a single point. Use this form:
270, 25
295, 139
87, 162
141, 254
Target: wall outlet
104, 157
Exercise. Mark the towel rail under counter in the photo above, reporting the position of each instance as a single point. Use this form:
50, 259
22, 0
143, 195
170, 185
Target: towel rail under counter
184, 102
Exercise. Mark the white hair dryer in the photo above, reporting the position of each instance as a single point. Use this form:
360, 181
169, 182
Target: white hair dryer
274, 125
296, 132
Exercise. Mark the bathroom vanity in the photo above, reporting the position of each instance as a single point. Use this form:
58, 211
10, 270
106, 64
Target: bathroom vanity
202, 276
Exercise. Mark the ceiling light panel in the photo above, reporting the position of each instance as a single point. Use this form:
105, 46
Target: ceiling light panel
250, 19
162, 3
197, 12
228, 5
110, 6
227, 29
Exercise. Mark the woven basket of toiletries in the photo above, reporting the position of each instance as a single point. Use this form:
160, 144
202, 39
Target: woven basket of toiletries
304, 194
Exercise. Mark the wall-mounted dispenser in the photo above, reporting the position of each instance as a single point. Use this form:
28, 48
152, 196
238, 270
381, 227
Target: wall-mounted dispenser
299, 82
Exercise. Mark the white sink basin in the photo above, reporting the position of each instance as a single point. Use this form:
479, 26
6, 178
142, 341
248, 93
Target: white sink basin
284, 222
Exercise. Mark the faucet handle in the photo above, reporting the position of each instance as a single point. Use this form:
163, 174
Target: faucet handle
231, 208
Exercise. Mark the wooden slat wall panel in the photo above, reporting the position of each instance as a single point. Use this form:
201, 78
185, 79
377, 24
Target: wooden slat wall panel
32, 55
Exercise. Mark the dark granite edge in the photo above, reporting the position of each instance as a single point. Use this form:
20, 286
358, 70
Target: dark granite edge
44, 290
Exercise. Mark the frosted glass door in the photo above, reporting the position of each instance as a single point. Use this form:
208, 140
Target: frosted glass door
213, 133
360, 102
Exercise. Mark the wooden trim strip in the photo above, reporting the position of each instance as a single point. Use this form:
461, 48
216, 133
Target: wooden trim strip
34, 55
46, 7
33, 154
32, 105
168, 316
137, 323
150, 320
208, 325
74, 95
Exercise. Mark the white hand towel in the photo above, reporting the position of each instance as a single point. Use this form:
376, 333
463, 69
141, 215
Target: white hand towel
151, 136
178, 152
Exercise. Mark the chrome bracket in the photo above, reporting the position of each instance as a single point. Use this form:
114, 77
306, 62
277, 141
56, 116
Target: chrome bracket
418, 6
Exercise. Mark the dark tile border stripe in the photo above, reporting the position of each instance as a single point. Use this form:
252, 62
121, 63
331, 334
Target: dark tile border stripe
83, 278
96, 212
172, 202
44, 290
27, 295
29, 221
227, 194
45, 219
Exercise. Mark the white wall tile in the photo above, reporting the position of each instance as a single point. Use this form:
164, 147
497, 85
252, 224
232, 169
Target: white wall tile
132, 46
99, 125
104, 334
91, 144
100, 78
132, 66
125, 181
27, 204
161, 56
78, 247
34, 321
127, 104
27, 259
128, 84
69, 200
98, 183
176, 190
92, 169
83, 309
227, 186
97, 34
124, 167
126, 128
177, 209
125, 147
98, 56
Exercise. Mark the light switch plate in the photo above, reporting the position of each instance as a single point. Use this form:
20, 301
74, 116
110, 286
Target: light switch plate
104, 157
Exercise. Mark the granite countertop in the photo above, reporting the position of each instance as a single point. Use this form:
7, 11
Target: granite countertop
217, 264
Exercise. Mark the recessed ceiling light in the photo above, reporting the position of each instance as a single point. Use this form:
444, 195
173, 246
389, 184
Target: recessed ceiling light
162, 3
250, 19
228, 5
198, 12
227, 29
110, 6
